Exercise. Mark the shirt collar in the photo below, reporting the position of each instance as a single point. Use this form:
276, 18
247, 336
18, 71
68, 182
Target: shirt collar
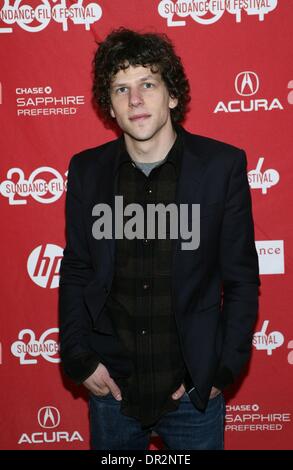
173, 157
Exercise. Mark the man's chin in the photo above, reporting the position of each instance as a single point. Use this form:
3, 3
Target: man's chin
141, 137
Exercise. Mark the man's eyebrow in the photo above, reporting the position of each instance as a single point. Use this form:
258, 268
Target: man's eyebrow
142, 79
148, 77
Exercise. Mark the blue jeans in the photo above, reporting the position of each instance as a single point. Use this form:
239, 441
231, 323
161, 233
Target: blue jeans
186, 428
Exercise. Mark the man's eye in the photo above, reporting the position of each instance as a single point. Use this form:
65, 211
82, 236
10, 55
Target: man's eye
122, 90
148, 85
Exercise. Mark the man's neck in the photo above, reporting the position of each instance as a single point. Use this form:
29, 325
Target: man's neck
152, 150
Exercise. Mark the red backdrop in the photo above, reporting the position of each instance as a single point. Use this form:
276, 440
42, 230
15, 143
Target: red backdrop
238, 57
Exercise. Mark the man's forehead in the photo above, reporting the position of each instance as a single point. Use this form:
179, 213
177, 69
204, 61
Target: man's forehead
137, 72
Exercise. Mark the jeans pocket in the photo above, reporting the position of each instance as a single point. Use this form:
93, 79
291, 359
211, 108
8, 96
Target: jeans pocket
102, 397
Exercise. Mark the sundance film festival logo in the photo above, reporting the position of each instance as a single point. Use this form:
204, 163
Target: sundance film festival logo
270, 256
265, 341
209, 12
33, 19
45, 185
162, 221
262, 179
49, 420
43, 265
247, 86
28, 348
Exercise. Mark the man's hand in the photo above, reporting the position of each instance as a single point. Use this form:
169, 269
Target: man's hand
181, 390
100, 383
214, 392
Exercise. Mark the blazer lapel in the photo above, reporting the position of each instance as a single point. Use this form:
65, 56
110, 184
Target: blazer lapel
106, 189
192, 169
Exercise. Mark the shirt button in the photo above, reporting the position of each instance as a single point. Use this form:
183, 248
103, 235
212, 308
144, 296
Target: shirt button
146, 286
149, 190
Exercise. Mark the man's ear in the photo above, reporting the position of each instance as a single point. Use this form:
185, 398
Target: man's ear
173, 102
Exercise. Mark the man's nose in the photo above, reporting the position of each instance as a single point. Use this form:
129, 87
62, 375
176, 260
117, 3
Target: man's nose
135, 98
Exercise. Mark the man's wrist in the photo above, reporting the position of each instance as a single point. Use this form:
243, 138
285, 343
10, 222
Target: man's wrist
81, 367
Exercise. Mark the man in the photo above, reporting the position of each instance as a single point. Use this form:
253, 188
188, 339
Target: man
155, 329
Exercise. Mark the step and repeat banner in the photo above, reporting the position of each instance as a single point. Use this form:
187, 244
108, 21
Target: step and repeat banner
238, 57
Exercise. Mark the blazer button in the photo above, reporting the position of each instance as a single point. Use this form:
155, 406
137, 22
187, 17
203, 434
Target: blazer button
143, 332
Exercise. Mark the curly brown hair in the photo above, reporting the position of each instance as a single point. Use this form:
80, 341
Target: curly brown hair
124, 47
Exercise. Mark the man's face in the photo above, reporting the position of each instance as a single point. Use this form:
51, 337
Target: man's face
140, 102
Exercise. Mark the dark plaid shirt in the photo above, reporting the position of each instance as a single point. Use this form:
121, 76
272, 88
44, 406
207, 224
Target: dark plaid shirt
140, 300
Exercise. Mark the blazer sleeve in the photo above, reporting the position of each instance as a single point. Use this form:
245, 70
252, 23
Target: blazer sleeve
240, 276
78, 360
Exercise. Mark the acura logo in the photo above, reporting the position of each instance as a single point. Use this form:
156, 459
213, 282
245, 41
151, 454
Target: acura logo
48, 417
246, 83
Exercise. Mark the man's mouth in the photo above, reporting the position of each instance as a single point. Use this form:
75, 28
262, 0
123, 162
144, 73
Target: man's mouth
139, 117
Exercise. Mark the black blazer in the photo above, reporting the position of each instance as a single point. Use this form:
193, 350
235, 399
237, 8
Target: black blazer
215, 287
